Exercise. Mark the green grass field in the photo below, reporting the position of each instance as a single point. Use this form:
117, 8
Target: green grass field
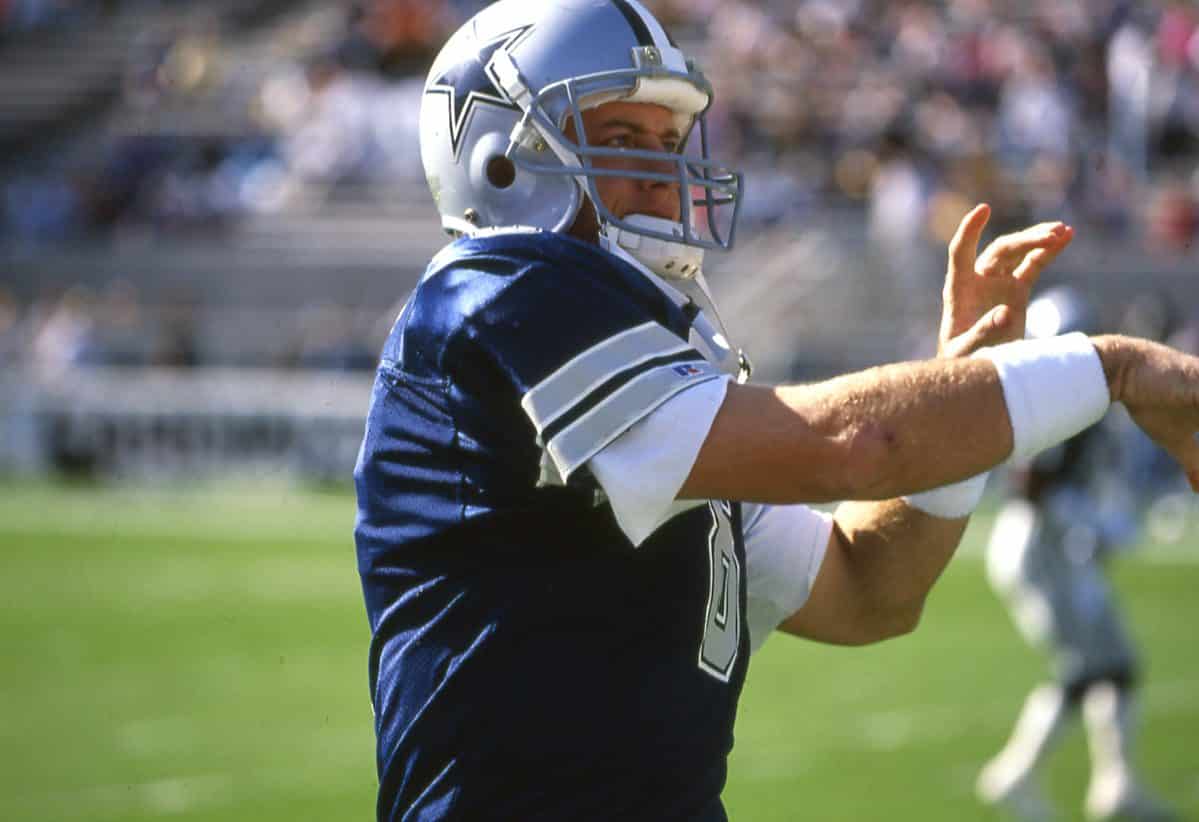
202, 656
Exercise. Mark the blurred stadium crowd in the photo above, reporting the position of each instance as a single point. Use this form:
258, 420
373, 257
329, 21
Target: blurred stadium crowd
137, 121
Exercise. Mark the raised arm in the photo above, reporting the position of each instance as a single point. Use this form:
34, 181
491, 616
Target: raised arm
884, 557
905, 428
872, 435
896, 429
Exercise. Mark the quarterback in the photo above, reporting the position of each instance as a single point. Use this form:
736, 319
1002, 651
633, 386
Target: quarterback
577, 519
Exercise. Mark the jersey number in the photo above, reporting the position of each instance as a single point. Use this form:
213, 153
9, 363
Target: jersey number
722, 623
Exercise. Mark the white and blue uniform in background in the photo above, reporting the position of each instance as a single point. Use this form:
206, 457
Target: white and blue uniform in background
553, 636
1044, 559
1073, 506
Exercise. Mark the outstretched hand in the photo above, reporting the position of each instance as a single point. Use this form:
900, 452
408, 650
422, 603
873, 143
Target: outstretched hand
986, 295
1160, 388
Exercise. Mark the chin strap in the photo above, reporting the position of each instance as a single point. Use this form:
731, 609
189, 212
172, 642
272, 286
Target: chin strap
674, 261
690, 290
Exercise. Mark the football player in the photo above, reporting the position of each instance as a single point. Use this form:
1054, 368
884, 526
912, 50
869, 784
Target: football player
576, 518
1044, 559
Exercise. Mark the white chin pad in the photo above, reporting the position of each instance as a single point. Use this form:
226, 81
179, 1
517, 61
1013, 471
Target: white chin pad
666, 259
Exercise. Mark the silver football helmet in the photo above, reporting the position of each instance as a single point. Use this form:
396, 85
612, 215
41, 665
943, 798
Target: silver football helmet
499, 96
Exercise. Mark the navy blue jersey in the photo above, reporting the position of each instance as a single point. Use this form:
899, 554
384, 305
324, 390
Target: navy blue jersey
527, 661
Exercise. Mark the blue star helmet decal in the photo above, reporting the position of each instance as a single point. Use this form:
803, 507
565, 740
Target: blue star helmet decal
470, 83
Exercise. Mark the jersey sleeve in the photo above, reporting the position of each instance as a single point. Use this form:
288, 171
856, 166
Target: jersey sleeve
643, 469
587, 359
784, 548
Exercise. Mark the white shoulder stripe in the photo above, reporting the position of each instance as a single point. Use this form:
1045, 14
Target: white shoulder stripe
561, 390
580, 440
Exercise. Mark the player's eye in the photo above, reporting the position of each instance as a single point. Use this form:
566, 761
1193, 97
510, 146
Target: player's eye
618, 141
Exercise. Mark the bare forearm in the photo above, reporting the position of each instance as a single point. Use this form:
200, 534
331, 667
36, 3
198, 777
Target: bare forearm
917, 425
876, 434
881, 561
883, 558
897, 552
889, 554
1115, 352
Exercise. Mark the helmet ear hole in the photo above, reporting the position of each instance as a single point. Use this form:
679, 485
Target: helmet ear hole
501, 173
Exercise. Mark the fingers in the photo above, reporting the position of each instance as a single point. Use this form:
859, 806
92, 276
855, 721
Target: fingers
1021, 242
1037, 260
991, 329
1000, 256
963, 248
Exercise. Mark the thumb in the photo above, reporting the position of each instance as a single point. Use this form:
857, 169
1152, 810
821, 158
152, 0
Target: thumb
991, 329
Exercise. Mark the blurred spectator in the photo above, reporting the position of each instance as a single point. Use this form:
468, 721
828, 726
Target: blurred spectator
1171, 218
1033, 92
397, 36
1176, 80
897, 215
899, 112
897, 197
1129, 77
65, 335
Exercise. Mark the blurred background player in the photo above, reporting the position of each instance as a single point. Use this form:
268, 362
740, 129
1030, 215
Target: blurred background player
1070, 510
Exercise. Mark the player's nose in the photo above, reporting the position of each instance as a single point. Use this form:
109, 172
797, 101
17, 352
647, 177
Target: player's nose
666, 170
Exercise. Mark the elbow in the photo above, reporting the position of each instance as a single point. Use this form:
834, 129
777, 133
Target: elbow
904, 620
874, 628
893, 623
869, 462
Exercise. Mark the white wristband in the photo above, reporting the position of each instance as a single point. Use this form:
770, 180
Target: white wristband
1054, 388
951, 501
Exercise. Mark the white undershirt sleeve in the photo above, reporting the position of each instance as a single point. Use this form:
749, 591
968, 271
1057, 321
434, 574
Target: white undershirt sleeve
643, 469
784, 548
